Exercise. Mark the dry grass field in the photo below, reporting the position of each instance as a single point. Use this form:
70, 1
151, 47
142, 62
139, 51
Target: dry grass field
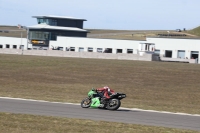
171, 87
195, 31
134, 34
14, 31
149, 85
18, 123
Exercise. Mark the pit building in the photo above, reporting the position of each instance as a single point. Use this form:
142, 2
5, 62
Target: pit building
67, 34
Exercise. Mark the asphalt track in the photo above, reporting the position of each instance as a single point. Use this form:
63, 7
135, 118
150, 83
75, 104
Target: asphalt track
122, 115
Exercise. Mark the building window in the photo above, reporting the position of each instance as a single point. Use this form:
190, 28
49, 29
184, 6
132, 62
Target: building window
129, 51
67, 49
14, 46
53, 36
181, 54
72, 48
7, 46
194, 54
53, 22
43, 21
81, 49
1, 46
90, 49
99, 50
40, 21
168, 53
157, 51
38, 35
119, 51
108, 50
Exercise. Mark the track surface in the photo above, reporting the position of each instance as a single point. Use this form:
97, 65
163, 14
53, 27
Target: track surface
122, 115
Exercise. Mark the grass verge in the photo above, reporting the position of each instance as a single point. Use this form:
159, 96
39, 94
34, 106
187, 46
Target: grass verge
195, 31
20, 123
160, 86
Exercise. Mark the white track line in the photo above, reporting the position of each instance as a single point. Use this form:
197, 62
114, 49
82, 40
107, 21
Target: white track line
132, 109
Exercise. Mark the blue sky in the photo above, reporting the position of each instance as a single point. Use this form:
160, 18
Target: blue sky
107, 14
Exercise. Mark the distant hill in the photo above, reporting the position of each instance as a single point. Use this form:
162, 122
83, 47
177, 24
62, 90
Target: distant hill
195, 31
14, 31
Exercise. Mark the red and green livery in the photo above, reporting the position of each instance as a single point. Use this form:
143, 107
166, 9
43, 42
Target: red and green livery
94, 101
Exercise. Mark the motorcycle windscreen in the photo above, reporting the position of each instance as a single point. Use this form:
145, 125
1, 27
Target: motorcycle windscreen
91, 93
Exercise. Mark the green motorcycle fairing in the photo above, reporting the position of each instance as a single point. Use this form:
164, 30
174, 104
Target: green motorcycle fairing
95, 100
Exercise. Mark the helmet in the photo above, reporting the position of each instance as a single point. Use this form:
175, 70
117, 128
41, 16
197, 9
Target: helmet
105, 87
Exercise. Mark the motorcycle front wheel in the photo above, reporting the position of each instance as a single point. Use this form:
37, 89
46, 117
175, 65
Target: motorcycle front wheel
86, 103
114, 104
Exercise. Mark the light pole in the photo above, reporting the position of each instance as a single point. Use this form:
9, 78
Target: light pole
27, 29
27, 36
21, 37
19, 26
21, 42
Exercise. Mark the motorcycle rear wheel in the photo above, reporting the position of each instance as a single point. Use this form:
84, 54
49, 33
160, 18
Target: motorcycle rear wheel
85, 103
114, 104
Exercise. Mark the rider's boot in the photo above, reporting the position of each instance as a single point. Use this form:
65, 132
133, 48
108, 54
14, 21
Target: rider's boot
101, 105
103, 102
104, 99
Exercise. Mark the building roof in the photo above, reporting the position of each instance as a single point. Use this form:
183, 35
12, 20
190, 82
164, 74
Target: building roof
43, 26
58, 17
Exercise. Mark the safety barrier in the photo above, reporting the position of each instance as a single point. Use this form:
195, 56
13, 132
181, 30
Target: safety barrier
121, 56
165, 59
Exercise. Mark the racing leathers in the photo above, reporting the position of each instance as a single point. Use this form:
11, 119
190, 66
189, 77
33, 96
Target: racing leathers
106, 91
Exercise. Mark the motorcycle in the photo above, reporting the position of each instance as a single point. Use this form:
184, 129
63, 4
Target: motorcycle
94, 100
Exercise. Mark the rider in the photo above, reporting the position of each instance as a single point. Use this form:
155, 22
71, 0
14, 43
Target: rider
106, 93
